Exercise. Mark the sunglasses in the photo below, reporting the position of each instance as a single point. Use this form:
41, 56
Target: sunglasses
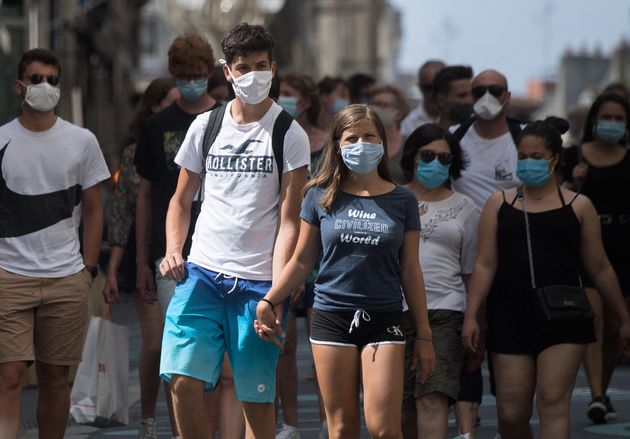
36, 79
427, 156
480, 90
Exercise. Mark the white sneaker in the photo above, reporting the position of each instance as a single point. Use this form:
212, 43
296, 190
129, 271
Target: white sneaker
287, 432
147, 429
462, 436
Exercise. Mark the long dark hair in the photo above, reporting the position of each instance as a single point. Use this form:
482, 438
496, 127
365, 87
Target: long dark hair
153, 95
424, 135
333, 171
592, 115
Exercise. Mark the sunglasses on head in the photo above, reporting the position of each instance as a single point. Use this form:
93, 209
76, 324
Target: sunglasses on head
480, 90
427, 156
36, 79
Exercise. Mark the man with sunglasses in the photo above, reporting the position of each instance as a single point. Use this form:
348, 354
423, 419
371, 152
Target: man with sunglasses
427, 110
50, 172
488, 140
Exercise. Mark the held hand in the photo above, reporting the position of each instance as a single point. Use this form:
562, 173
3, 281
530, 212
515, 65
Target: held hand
145, 284
268, 322
424, 356
470, 334
110, 290
173, 267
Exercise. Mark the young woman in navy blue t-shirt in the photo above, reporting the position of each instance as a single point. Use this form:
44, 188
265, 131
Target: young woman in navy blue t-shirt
368, 230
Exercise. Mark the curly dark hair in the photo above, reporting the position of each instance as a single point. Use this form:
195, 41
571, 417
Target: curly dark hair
421, 137
245, 39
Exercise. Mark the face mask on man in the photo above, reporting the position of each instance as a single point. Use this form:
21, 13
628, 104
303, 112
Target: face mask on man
609, 131
253, 87
533, 172
362, 157
488, 107
289, 104
460, 113
339, 105
192, 90
42, 97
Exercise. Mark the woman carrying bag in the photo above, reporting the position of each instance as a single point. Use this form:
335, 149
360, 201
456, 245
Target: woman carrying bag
532, 243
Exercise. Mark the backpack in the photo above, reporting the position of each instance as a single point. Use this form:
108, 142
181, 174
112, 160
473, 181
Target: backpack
280, 128
513, 124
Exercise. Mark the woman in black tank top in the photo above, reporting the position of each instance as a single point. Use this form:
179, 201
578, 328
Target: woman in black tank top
529, 354
603, 175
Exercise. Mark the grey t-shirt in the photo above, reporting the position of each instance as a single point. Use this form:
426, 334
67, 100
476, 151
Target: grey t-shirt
361, 240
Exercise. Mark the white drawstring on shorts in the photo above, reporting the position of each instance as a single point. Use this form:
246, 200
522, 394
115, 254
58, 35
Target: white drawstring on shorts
357, 318
227, 276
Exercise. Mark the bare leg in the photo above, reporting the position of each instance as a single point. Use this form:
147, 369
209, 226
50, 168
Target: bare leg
337, 369
151, 324
382, 368
287, 375
231, 419
610, 346
593, 356
557, 370
213, 409
261, 420
515, 378
53, 404
432, 415
11, 379
190, 410
466, 415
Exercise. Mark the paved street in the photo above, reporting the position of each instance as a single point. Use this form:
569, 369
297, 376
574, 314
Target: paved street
309, 419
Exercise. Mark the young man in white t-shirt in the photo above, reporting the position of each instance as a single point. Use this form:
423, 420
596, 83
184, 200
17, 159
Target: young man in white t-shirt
50, 172
245, 234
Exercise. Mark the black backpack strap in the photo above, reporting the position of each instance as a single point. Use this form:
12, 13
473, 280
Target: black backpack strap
215, 119
280, 128
463, 128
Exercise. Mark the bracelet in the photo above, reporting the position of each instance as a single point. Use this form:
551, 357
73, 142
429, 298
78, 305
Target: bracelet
424, 338
268, 301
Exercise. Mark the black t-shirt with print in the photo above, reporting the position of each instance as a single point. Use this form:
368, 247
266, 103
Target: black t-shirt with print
160, 137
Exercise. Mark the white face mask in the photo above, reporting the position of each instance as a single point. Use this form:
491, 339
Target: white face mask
253, 87
488, 107
42, 97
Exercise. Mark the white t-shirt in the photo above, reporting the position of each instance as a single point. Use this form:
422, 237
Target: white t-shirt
42, 176
236, 229
491, 166
447, 249
416, 118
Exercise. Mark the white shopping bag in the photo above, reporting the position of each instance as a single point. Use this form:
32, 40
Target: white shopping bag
99, 394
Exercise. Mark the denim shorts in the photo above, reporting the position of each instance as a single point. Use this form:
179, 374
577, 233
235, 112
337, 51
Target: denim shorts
212, 313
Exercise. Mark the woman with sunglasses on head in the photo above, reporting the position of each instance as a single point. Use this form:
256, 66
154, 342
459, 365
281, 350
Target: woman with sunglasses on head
368, 230
534, 240
431, 158
600, 163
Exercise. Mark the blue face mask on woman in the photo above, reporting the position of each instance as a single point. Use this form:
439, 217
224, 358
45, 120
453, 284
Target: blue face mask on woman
533, 172
362, 158
289, 104
192, 90
610, 131
432, 174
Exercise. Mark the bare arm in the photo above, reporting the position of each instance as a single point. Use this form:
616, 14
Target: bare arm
92, 224
413, 288
483, 272
177, 224
110, 290
145, 281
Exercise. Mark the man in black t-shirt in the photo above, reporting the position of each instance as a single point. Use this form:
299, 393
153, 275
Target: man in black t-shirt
190, 61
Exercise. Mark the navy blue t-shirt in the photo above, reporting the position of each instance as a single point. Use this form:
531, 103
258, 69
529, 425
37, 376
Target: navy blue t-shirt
361, 240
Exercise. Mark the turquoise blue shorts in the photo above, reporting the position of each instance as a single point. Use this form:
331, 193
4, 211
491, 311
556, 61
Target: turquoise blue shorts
210, 314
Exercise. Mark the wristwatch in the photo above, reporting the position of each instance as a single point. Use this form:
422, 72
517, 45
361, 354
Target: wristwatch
93, 270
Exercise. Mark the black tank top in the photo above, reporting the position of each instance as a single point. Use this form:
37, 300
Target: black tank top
609, 190
555, 237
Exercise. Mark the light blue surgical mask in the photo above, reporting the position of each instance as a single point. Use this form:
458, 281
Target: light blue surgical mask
192, 90
610, 131
362, 157
339, 105
433, 174
533, 172
289, 104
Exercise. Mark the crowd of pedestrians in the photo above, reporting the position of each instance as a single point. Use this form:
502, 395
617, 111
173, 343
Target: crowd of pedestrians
418, 242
